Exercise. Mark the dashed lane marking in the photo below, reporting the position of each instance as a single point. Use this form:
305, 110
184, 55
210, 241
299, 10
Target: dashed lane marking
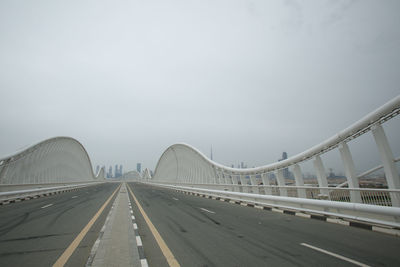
206, 210
174, 198
335, 255
46, 206
171, 260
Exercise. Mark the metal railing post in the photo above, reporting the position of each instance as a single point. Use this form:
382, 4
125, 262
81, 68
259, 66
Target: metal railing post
391, 173
321, 175
254, 184
350, 172
266, 184
281, 182
298, 176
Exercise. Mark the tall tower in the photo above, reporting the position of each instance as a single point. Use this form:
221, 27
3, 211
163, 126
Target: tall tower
110, 172
139, 167
116, 171
211, 154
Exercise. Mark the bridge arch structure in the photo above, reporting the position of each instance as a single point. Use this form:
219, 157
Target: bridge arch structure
182, 164
55, 160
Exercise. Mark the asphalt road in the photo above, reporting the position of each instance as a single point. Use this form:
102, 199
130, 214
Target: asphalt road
206, 232
36, 232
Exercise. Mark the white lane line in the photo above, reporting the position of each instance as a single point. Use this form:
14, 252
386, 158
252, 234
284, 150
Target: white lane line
135, 226
74, 197
138, 241
46, 206
174, 198
335, 255
209, 211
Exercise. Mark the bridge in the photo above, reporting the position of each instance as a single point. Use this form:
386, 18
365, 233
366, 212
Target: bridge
193, 211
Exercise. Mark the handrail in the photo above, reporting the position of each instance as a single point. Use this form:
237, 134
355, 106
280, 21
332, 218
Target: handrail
380, 115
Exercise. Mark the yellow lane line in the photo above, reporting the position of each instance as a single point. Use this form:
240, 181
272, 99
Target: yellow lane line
161, 243
71, 248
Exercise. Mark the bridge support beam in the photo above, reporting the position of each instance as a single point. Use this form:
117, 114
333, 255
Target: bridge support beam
265, 180
321, 175
389, 166
281, 182
243, 181
255, 189
350, 172
301, 192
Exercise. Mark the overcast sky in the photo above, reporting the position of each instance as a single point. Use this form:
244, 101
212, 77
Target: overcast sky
251, 78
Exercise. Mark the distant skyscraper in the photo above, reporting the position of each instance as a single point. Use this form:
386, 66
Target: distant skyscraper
120, 170
242, 165
286, 172
97, 169
116, 171
109, 175
139, 167
211, 154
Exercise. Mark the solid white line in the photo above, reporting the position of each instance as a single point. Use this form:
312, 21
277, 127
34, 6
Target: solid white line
143, 262
139, 241
207, 210
175, 198
74, 197
335, 255
46, 206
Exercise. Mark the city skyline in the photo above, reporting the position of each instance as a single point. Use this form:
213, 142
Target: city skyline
254, 79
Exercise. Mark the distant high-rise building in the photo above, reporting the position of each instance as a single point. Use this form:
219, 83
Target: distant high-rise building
139, 167
286, 172
116, 171
109, 175
211, 154
242, 165
120, 170
233, 166
97, 169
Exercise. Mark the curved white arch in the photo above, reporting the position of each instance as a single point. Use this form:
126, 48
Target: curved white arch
134, 175
182, 163
55, 160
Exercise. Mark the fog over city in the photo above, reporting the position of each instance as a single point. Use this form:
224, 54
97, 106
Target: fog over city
250, 78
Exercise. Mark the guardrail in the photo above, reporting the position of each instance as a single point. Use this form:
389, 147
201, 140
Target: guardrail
380, 215
182, 164
30, 193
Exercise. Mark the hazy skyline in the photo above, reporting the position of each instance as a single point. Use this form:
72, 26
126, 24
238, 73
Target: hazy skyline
251, 78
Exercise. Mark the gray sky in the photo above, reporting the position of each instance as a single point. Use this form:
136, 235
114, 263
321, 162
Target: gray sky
250, 78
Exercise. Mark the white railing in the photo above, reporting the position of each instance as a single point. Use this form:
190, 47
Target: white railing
388, 216
183, 164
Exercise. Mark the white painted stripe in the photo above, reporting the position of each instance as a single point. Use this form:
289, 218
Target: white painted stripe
74, 197
207, 210
335, 255
139, 241
133, 217
131, 212
135, 226
143, 262
46, 206
174, 198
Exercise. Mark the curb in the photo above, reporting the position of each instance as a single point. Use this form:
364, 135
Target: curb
23, 198
142, 257
315, 216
